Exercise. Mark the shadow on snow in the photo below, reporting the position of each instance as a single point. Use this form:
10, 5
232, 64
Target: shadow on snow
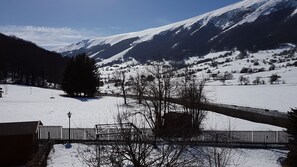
81, 98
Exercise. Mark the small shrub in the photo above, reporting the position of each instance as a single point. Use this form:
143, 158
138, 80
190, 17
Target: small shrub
243, 80
272, 67
274, 78
261, 69
257, 81
256, 63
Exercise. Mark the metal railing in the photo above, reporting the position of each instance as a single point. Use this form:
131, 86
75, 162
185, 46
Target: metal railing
111, 133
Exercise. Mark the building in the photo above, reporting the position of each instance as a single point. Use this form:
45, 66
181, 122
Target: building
18, 142
177, 124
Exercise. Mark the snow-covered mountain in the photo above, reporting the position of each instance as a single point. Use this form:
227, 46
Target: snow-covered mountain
247, 25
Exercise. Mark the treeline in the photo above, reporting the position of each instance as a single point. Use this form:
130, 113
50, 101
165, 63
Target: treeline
24, 62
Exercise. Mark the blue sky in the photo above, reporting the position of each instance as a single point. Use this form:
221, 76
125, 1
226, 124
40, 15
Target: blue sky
53, 23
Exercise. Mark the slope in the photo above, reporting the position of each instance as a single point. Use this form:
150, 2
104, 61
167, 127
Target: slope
27, 63
246, 25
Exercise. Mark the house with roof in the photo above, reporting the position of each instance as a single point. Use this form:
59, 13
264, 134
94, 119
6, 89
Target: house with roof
177, 124
18, 142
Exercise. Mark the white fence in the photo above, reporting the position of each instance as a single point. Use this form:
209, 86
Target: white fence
244, 136
50, 132
60, 133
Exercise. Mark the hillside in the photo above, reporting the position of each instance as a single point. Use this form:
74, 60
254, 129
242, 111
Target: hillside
247, 25
26, 63
223, 71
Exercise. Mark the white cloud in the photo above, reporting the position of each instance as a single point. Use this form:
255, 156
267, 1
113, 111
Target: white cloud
48, 37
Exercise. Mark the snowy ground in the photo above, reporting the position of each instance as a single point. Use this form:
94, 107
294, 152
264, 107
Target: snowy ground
274, 97
61, 157
24, 103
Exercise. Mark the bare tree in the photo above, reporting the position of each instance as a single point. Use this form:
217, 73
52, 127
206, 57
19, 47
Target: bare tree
141, 147
192, 95
240, 79
6, 89
139, 84
221, 157
158, 94
274, 78
243, 80
133, 147
225, 76
120, 77
257, 81
216, 156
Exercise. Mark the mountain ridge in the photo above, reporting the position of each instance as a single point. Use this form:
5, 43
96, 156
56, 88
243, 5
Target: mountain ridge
198, 35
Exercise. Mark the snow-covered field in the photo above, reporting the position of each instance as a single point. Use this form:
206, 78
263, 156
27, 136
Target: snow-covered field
61, 157
24, 103
275, 97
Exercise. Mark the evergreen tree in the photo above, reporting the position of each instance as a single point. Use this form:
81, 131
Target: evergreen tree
25, 63
292, 132
81, 76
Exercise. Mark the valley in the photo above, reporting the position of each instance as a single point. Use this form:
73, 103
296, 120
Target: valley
183, 93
